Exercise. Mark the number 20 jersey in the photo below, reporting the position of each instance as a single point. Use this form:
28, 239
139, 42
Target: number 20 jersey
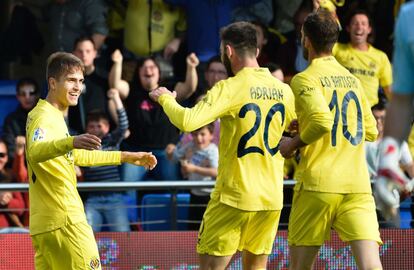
334, 162
254, 109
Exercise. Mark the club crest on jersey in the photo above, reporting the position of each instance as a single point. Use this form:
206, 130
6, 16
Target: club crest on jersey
38, 135
95, 263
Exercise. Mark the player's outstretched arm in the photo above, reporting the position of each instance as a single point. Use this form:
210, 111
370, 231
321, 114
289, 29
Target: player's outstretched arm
145, 159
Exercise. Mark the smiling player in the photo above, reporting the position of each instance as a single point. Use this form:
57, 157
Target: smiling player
61, 236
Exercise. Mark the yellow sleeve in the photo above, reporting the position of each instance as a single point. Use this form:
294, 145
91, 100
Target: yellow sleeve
314, 110
212, 106
43, 151
96, 158
42, 146
385, 76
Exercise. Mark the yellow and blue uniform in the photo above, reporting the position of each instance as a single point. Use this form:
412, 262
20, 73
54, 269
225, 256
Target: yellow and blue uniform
254, 109
334, 121
372, 67
55, 203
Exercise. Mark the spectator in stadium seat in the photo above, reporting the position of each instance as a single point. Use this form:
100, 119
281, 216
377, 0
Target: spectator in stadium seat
372, 156
27, 93
20, 173
9, 199
244, 210
96, 84
61, 236
367, 63
199, 161
106, 207
333, 188
150, 128
70, 19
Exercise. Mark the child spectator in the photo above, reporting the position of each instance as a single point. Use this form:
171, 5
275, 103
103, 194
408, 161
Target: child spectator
199, 161
106, 206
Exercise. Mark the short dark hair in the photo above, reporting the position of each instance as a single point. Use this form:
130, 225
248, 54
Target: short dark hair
60, 63
241, 36
359, 11
82, 39
380, 106
214, 59
322, 29
96, 116
209, 126
27, 81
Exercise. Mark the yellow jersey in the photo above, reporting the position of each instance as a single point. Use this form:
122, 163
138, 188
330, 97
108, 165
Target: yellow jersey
334, 120
254, 109
163, 22
371, 67
54, 199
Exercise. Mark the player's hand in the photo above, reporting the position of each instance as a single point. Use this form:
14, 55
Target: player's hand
171, 48
144, 159
20, 144
286, 147
117, 56
169, 150
5, 198
293, 127
87, 142
192, 60
113, 93
187, 167
155, 94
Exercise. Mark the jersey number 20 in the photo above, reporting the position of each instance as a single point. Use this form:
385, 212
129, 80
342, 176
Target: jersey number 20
241, 148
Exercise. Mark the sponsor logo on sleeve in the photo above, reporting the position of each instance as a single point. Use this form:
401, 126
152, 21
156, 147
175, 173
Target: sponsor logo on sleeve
39, 135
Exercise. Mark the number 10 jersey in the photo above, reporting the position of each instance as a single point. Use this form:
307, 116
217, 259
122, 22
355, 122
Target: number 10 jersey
328, 95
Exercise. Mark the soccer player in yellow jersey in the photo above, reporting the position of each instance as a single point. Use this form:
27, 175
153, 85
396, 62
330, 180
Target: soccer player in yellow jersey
254, 109
367, 63
61, 236
333, 187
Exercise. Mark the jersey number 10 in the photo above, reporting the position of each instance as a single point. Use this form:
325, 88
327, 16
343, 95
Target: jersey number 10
350, 95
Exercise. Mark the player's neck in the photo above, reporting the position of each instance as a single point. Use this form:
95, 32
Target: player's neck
52, 101
245, 62
314, 55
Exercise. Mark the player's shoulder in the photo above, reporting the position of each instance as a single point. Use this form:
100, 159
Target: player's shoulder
377, 52
340, 48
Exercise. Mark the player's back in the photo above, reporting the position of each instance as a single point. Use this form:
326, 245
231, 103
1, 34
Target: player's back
336, 161
257, 110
